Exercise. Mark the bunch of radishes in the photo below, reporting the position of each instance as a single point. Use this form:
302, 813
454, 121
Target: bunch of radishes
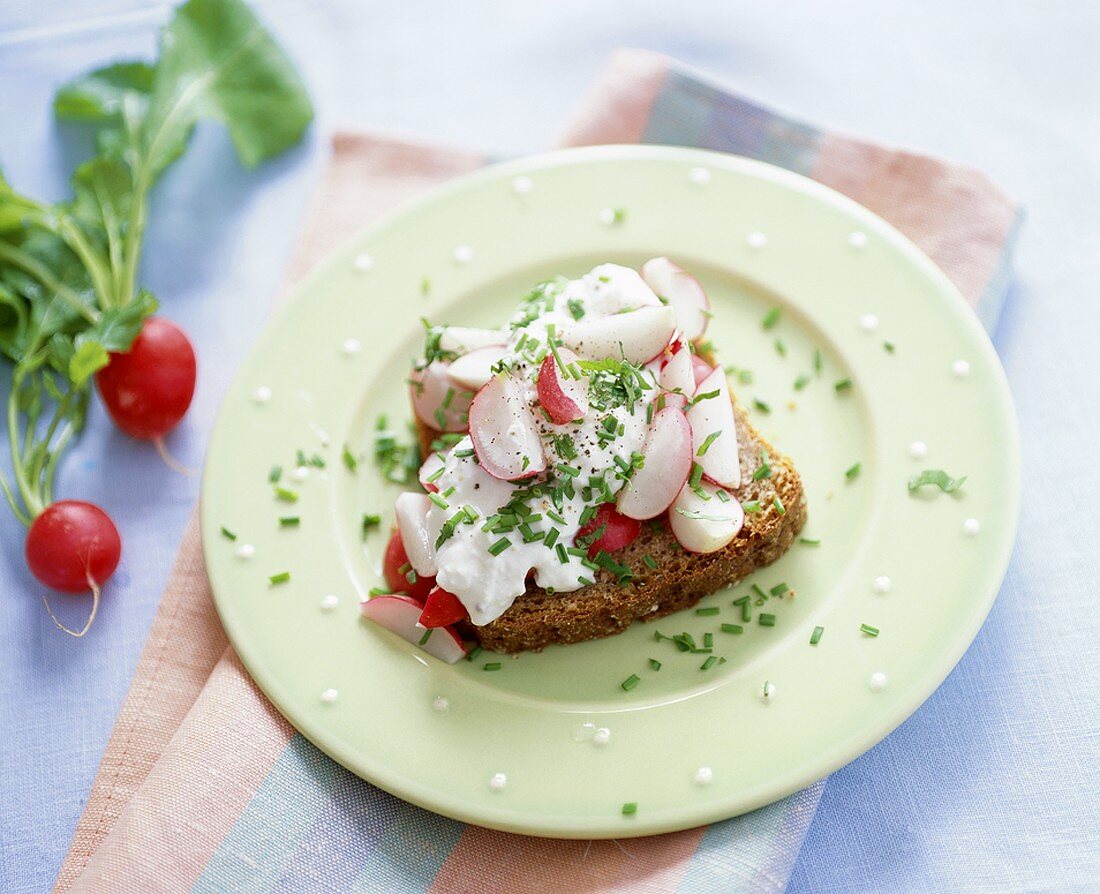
690, 458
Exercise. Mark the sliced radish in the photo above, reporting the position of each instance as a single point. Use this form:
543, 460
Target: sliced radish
411, 511
615, 288
503, 431
463, 339
677, 378
437, 399
637, 335
619, 530
700, 369
704, 526
683, 293
714, 431
442, 609
562, 395
476, 368
667, 464
399, 614
431, 466
394, 559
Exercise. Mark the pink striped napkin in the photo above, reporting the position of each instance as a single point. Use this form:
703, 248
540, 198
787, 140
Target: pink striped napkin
205, 787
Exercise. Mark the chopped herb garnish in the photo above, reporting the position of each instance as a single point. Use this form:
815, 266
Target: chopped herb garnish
654, 664
439, 500
709, 663
500, 546
473, 653
746, 607
281, 578
763, 406
751, 506
778, 504
440, 418
809, 541
576, 307
889, 346
764, 470
425, 285
491, 666
781, 347
779, 590
732, 628
571, 471
706, 395
287, 496
771, 318
766, 620
630, 682
227, 534
349, 459
630, 808
275, 474
705, 446
427, 635
938, 478
843, 386
868, 630
815, 637
289, 521
819, 361
852, 472
801, 382
649, 561
370, 521
707, 610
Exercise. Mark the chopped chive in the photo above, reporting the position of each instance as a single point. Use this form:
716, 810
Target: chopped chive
562, 557
751, 506
937, 477
281, 578
781, 347
654, 664
868, 629
801, 382
709, 663
815, 637
771, 318
889, 346
439, 501
708, 640
809, 541
708, 610
842, 386
705, 446
436, 475
763, 406
649, 414
630, 682
780, 589
464, 454
426, 636
571, 471
289, 521
275, 474
746, 608
723, 496
778, 504
440, 418
349, 459
491, 666
551, 538
227, 534
473, 653
425, 285
649, 561
378, 591
630, 808
764, 470
819, 361
287, 496
766, 620
732, 628
853, 471
500, 546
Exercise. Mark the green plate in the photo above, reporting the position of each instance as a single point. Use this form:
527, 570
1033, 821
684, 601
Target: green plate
758, 238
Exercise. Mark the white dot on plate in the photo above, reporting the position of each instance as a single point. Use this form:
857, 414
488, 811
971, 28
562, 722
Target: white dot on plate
857, 239
301, 473
878, 681
583, 732
704, 776
756, 240
868, 322
262, 394
918, 450
699, 176
329, 602
610, 216
246, 551
498, 781
881, 585
329, 696
523, 185
351, 346
961, 368
463, 254
971, 526
766, 693
363, 263
440, 704
602, 736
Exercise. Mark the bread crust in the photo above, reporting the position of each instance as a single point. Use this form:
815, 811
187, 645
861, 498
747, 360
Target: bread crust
538, 619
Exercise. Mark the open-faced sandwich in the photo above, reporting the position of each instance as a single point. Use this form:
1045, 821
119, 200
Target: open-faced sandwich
587, 466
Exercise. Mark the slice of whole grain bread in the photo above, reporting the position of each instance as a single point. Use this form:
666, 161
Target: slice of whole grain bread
679, 580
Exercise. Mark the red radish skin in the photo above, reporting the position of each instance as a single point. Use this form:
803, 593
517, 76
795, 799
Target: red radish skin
667, 465
682, 291
619, 531
565, 400
442, 609
400, 615
148, 389
428, 392
395, 559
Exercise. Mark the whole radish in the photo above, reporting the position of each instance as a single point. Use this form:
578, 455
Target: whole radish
148, 389
73, 546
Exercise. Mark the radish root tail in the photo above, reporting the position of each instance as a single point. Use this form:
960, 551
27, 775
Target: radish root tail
170, 461
91, 617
